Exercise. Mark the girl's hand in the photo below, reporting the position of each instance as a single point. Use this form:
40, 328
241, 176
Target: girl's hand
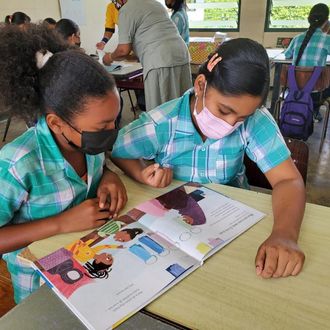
113, 191
84, 216
279, 256
156, 176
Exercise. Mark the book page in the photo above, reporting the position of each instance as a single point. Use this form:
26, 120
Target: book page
114, 271
196, 219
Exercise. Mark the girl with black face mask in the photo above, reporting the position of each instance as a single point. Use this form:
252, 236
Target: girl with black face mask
52, 176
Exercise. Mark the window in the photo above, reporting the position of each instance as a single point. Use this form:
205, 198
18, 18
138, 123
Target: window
288, 15
214, 14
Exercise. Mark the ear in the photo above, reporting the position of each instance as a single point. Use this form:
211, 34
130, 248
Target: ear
71, 39
199, 85
55, 123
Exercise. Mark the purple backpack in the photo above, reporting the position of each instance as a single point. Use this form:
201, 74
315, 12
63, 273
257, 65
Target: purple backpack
296, 117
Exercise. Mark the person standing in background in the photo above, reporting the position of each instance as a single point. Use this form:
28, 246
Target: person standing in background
111, 20
145, 27
179, 17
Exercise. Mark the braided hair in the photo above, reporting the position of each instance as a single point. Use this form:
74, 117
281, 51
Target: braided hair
318, 15
97, 270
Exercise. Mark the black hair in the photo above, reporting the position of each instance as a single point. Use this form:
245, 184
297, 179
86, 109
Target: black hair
244, 69
318, 15
175, 199
178, 5
62, 85
97, 270
66, 28
17, 18
50, 20
132, 232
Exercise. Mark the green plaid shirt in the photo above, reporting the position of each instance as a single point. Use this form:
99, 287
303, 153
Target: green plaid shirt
168, 135
316, 51
37, 182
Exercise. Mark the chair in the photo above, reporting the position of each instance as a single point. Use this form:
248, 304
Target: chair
299, 154
5, 115
303, 74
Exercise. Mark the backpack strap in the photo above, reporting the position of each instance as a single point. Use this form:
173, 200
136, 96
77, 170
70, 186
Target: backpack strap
292, 84
313, 79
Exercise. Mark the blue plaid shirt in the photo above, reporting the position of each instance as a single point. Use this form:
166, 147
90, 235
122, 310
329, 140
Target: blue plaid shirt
316, 51
37, 182
167, 134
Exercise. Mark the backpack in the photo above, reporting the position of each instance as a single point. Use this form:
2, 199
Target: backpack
296, 117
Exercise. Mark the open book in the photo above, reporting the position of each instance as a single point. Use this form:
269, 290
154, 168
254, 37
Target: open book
114, 271
113, 67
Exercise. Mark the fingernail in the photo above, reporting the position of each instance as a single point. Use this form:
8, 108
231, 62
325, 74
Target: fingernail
101, 205
258, 270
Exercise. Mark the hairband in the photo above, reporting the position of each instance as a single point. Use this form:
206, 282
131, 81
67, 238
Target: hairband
42, 58
213, 61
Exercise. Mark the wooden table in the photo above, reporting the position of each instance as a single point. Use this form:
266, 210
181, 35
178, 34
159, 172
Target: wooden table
225, 293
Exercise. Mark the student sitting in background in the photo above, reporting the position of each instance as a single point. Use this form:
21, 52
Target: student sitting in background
69, 31
18, 18
312, 47
53, 177
49, 22
180, 17
203, 136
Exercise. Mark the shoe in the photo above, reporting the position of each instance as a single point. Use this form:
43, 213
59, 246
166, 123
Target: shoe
317, 117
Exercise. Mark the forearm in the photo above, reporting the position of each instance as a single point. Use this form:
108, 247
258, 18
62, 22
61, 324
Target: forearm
288, 199
131, 167
13, 237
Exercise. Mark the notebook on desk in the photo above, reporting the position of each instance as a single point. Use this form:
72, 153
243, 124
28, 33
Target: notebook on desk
114, 271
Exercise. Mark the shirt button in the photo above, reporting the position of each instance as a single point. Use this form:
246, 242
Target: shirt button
203, 149
201, 173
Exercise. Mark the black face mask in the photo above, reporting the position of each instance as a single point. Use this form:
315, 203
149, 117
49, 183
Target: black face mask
93, 143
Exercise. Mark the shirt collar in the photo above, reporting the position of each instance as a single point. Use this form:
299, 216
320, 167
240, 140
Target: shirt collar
185, 123
50, 156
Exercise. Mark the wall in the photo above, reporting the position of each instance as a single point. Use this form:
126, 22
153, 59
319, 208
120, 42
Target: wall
252, 20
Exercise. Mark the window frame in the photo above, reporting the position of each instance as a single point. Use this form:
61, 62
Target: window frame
267, 22
220, 29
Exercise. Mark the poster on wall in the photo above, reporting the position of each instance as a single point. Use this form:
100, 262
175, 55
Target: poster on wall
74, 10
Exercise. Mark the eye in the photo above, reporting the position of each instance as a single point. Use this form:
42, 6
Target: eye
225, 113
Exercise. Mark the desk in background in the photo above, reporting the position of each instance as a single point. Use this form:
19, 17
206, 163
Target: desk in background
225, 293
129, 77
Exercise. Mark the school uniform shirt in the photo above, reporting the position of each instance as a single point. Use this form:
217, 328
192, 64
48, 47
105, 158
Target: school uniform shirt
168, 135
316, 51
180, 19
37, 182
111, 18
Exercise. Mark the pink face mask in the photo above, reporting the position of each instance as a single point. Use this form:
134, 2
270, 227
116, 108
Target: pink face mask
210, 125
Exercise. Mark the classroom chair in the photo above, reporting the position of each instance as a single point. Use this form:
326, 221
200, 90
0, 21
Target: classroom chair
299, 154
303, 74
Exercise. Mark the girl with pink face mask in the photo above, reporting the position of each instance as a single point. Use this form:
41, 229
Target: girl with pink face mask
203, 136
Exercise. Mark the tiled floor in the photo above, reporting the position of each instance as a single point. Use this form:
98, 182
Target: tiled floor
318, 183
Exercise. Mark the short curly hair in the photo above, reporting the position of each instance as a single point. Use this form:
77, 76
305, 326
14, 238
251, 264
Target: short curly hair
63, 85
